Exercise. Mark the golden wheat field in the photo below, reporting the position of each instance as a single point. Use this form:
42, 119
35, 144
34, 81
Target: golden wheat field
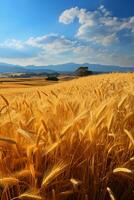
68, 141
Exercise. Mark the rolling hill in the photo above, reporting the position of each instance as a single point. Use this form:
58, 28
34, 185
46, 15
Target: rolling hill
68, 67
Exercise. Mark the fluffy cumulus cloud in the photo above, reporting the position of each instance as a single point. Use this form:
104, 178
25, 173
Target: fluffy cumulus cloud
98, 26
52, 43
100, 38
48, 49
13, 48
12, 44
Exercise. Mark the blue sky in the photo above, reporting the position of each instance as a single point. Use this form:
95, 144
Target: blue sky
43, 32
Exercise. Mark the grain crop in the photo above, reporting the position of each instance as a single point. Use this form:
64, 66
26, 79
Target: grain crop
69, 141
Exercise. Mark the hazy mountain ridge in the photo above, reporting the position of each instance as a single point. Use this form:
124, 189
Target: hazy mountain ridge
68, 67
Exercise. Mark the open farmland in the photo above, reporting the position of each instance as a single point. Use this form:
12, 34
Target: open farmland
68, 141
10, 86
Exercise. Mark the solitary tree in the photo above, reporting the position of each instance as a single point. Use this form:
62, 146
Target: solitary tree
83, 71
52, 77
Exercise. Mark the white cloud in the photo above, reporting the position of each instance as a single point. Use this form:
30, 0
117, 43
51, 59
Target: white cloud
47, 49
93, 43
52, 43
69, 15
98, 26
13, 44
41, 40
55, 49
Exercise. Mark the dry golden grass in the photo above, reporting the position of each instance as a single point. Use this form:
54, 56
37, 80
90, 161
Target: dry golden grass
69, 141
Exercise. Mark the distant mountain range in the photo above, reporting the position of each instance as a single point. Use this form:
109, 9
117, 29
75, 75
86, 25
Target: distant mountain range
68, 67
